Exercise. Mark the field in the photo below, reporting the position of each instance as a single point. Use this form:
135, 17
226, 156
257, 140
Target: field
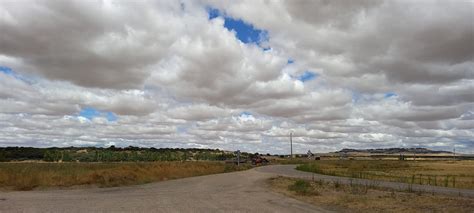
456, 174
357, 198
28, 176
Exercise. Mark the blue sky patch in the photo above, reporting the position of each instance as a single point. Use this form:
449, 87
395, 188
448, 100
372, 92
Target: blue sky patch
245, 32
244, 113
111, 116
307, 76
290, 61
182, 129
390, 94
213, 13
7, 70
356, 96
91, 113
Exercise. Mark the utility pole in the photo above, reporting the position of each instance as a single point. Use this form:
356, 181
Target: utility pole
454, 152
414, 154
238, 157
291, 144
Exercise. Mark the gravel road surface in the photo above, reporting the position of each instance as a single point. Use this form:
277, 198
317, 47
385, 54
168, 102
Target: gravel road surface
230, 192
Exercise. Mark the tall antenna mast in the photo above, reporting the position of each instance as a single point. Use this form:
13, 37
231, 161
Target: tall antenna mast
454, 152
291, 144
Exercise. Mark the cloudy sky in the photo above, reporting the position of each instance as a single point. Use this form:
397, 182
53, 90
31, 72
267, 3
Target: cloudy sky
238, 74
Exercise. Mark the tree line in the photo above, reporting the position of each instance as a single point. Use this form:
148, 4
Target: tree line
110, 154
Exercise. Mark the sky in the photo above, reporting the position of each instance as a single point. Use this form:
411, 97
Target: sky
238, 74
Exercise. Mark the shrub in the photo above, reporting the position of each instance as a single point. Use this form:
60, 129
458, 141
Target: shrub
303, 187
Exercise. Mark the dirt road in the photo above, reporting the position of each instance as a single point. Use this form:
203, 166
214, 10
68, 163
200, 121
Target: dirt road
290, 171
231, 192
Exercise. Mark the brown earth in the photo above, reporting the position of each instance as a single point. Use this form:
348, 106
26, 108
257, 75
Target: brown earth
244, 191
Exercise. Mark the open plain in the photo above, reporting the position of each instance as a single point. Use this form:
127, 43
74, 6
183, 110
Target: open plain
244, 191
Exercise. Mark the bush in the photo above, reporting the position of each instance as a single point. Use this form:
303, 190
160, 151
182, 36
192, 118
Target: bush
303, 187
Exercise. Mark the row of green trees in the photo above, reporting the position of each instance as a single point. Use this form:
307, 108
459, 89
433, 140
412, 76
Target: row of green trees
55, 155
119, 156
20, 153
111, 154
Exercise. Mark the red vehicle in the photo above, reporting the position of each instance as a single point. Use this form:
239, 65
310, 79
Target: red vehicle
259, 160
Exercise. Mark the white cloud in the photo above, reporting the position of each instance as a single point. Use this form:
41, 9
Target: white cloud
389, 73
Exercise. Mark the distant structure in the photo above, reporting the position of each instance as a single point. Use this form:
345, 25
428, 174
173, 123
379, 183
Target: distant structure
311, 156
342, 155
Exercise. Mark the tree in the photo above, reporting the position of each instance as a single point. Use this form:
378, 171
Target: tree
2, 156
66, 156
185, 155
52, 155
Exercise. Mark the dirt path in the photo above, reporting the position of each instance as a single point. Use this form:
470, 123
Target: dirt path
289, 171
231, 192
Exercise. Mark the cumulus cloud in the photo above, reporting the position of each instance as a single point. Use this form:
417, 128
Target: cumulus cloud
383, 74
93, 44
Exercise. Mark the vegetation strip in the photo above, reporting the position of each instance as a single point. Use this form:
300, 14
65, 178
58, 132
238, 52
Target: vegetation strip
455, 174
111, 154
28, 176
334, 195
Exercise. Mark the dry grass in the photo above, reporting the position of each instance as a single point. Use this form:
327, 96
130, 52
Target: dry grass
28, 176
457, 174
357, 198
290, 161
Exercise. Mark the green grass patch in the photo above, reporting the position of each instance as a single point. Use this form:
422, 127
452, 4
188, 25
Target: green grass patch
303, 187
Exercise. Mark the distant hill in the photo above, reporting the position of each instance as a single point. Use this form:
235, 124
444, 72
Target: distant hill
394, 151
